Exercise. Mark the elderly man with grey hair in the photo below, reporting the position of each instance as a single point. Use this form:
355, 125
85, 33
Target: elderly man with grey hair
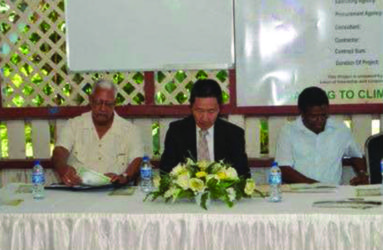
99, 140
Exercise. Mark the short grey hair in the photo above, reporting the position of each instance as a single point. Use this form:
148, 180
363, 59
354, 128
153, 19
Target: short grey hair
104, 84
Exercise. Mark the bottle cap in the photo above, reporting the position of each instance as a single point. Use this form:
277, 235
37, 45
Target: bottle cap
274, 164
37, 162
145, 158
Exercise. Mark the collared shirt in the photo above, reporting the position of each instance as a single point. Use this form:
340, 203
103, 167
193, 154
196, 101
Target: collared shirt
112, 153
317, 156
210, 141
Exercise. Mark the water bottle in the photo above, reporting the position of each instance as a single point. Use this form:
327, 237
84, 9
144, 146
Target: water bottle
275, 181
146, 175
38, 181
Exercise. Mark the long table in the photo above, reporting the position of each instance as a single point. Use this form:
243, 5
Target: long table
95, 220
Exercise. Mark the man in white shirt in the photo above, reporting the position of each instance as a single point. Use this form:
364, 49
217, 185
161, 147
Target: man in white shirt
311, 148
99, 140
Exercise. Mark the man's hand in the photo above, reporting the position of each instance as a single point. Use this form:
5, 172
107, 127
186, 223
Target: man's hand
119, 179
359, 166
67, 174
70, 177
361, 179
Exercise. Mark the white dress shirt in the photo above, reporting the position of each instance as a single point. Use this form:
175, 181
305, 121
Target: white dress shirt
317, 156
112, 153
210, 141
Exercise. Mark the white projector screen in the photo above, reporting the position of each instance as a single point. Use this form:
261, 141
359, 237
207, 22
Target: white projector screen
117, 35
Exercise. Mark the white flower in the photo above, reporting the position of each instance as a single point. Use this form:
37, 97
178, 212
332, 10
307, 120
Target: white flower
227, 174
203, 165
171, 191
189, 162
210, 176
197, 185
156, 181
250, 186
231, 173
180, 169
217, 167
231, 193
183, 181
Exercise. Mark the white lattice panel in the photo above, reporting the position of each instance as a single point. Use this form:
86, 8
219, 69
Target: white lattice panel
189, 77
34, 60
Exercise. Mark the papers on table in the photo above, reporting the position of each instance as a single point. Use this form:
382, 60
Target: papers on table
6, 198
124, 191
357, 203
92, 178
301, 188
368, 190
309, 188
56, 186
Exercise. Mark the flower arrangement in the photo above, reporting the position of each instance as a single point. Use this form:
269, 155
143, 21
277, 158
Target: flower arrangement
203, 181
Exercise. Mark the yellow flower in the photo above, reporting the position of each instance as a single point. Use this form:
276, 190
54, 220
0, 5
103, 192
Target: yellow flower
250, 186
201, 174
197, 185
221, 175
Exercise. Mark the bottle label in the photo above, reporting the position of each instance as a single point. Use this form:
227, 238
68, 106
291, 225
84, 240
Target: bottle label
38, 178
146, 173
275, 178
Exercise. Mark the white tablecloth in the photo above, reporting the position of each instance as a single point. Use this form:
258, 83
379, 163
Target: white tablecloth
94, 220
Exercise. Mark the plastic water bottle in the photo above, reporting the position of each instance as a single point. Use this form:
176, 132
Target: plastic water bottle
146, 175
38, 181
275, 181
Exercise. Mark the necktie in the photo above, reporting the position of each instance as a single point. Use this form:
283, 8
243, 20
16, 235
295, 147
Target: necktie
203, 149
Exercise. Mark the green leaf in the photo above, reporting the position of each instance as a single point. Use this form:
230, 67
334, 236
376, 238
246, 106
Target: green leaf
204, 198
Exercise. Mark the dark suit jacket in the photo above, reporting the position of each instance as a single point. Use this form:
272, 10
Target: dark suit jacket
181, 143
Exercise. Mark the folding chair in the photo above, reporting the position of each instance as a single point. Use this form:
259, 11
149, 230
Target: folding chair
374, 154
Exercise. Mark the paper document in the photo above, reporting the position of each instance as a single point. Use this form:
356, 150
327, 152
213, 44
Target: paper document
92, 178
358, 203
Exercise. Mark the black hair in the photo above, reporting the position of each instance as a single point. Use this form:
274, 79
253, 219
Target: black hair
310, 97
206, 88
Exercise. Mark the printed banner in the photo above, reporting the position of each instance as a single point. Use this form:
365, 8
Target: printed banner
284, 46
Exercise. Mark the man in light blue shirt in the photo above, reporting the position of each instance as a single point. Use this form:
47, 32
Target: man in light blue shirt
311, 148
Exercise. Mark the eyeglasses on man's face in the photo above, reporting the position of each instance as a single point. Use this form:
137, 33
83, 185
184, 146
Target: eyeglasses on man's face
100, 103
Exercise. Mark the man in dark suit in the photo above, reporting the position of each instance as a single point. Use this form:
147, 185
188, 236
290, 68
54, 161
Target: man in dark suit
204, 136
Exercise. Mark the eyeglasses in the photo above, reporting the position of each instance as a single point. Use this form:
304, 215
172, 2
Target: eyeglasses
99, 103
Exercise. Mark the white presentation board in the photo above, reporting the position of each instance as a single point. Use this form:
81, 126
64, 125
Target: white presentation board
111, 35
283, 47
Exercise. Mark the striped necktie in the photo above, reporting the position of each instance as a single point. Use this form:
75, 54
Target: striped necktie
203, 149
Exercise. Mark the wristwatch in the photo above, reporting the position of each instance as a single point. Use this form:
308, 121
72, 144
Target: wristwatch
362, 172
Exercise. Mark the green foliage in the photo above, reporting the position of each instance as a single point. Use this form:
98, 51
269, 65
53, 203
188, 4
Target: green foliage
4, 140
28, 140
264, 137
156, 138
